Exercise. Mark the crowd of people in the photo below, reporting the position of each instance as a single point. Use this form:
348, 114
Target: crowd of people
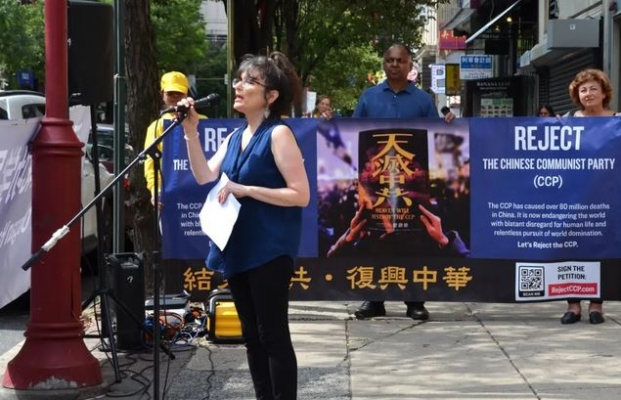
266, 173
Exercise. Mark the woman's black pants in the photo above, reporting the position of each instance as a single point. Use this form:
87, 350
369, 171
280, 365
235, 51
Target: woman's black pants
261, 297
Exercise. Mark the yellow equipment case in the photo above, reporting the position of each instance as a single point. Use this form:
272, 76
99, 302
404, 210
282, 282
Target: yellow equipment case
223, 325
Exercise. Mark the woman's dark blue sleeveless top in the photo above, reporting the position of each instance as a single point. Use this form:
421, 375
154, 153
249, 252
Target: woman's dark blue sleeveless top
262, 231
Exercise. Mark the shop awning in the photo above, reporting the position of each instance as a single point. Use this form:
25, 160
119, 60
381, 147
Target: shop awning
478, 33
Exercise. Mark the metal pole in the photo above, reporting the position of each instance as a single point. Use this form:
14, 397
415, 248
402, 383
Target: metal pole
54, 355
230, 57
607, 36
118, 243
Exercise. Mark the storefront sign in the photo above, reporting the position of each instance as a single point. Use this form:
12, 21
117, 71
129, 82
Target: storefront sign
453, 83
448, 41
475, 67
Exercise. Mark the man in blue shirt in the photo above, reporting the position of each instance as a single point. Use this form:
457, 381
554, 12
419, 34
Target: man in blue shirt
396, 97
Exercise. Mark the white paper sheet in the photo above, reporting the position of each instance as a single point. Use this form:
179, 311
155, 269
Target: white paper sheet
217, 220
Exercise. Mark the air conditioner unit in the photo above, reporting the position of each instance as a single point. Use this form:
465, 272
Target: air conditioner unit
573, 33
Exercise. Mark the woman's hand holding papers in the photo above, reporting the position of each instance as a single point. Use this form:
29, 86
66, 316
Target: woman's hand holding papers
233, 188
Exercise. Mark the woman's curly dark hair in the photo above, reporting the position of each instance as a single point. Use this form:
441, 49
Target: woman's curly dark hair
278, 74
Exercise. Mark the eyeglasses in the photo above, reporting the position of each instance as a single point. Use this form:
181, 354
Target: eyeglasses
247, 81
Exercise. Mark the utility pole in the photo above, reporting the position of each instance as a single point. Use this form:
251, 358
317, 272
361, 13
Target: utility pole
230, 56
119, 128
607, 36
54, 355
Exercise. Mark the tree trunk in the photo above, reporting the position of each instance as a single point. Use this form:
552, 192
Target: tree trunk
291, 14
143, 101
266, 23
245, 28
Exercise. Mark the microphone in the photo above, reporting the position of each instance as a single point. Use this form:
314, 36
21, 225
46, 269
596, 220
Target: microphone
211, 100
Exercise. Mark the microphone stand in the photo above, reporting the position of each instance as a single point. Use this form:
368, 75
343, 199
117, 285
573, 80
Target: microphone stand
102, 291
156, 155
153, 152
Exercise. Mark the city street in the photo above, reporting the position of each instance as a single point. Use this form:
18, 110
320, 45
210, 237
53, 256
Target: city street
476, 351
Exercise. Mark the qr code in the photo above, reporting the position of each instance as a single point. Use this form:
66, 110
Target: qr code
531, 279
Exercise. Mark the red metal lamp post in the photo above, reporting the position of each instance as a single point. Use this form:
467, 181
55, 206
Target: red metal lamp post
54, 355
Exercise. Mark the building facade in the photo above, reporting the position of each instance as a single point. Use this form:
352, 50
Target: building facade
425, 57
215, 20
546, 42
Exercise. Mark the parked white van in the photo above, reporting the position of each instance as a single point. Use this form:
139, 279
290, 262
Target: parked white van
21, 104
24, 104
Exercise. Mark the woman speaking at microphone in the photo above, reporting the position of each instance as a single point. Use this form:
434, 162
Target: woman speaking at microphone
266, 171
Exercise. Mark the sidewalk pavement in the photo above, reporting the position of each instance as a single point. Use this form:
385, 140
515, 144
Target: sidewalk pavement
466, 351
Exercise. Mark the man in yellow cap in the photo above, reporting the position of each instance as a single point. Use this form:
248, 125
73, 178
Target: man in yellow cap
174, 86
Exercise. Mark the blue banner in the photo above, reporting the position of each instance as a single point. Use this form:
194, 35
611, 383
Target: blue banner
544, 189
484, 209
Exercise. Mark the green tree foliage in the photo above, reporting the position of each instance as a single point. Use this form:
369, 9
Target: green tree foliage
326, 38
180, 37
345, 76
21, 40
210, 79
326, 24
322, 27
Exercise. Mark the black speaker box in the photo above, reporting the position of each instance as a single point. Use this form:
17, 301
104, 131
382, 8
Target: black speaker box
91, 52
127, 273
